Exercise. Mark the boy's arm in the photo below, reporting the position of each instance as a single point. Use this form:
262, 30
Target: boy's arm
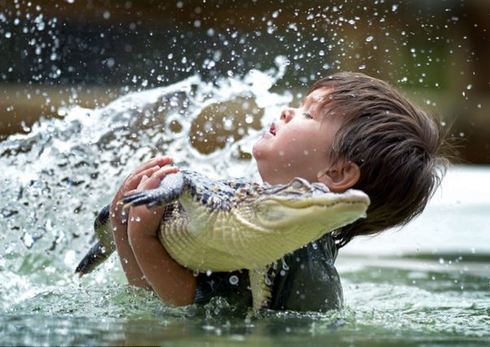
119, 222
173, 283
151, 253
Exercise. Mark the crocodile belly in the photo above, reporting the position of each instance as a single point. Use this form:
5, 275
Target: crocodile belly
195, 251
219, 245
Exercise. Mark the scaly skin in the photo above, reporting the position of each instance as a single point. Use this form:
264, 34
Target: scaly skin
228, 225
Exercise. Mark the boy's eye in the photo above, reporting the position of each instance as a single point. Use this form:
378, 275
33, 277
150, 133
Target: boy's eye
307, 115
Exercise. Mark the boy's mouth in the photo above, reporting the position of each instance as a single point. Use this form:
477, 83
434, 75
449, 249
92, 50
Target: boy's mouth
272, 129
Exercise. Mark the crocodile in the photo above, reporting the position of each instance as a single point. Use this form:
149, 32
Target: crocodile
234, 224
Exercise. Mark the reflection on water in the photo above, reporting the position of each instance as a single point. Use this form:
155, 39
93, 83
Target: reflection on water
426, 284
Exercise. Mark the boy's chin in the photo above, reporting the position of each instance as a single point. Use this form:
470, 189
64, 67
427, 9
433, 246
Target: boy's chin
257, 151
263, 147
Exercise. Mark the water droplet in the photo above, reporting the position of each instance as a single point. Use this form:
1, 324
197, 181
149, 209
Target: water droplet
110, 62
233, 280
369, 38
228, 124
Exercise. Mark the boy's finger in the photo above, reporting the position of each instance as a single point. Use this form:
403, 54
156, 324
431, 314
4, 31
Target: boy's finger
158, 161
133, 182
150, 183
147, 168
142, 181
164, 171
129, 192
155, 179
134, 179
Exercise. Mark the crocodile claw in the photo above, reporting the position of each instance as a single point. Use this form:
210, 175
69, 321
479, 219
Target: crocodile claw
148, 198
170, 189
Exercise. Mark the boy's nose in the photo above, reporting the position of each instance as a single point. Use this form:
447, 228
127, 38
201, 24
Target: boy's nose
287, 114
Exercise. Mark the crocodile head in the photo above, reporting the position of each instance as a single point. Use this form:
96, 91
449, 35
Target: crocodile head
310, 209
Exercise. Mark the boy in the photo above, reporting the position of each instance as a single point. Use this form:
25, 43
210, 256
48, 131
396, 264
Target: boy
352, 131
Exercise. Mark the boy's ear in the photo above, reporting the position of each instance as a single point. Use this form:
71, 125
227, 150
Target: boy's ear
340, 176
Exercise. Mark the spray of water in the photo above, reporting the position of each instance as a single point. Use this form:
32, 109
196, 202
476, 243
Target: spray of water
55, 178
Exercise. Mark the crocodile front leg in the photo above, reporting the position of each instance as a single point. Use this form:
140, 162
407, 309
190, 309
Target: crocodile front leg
260, 286
169, 190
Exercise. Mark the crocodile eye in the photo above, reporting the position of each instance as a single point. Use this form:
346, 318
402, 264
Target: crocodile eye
300, 184
296, 184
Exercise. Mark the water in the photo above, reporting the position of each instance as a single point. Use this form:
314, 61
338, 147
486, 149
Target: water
427, 284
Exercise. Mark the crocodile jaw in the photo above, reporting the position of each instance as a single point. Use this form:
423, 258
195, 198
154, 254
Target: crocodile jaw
330, 210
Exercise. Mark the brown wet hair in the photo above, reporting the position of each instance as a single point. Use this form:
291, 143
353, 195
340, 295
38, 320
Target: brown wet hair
395, 144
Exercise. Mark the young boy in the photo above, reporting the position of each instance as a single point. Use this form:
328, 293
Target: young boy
352, 131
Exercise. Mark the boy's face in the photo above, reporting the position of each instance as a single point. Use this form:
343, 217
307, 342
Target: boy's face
299, 143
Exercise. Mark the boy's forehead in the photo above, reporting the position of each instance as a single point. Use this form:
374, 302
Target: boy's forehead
317, 100
317, 96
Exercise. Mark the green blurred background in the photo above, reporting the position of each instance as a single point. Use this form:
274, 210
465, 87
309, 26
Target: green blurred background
89, 52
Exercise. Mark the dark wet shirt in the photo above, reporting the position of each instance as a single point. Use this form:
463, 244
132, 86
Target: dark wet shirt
305, 280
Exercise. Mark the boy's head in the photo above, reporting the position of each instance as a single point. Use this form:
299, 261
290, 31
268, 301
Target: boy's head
354, 131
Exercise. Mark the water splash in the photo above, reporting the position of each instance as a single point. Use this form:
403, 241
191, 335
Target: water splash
55, 178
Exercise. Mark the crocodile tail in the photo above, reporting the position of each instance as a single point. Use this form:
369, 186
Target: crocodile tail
96, 256
103, 248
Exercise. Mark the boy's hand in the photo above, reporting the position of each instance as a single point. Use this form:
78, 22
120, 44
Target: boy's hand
173, 283
119, 217
141, 218
144, 260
